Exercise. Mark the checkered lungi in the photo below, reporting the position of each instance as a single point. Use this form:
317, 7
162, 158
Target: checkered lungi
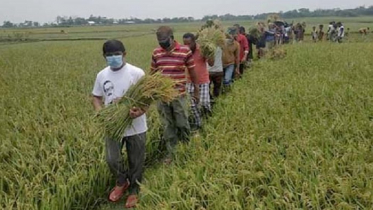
204, 102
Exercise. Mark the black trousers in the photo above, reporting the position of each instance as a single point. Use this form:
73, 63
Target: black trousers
216, 80
135, 146
242, 67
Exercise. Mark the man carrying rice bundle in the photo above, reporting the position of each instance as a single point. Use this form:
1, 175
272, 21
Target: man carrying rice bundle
111, 84
210, 39
244, 48
203, 81
251, 40
261, 42
173, 60
299, 32
270, 36
231, 57
216, 75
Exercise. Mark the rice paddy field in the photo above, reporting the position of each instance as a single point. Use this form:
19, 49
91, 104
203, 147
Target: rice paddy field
294, 133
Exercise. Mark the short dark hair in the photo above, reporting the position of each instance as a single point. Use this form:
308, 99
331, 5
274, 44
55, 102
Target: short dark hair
242, 29
113, 45
189, 36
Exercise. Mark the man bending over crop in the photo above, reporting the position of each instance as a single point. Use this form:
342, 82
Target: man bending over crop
173, 60
111, 84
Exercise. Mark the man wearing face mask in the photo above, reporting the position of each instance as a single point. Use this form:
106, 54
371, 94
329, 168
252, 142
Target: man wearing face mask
110, 85
203, 81
174, 61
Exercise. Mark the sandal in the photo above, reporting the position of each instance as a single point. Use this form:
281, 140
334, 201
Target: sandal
131, 201
117, 192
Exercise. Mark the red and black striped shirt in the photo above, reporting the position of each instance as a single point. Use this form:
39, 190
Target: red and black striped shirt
173, 64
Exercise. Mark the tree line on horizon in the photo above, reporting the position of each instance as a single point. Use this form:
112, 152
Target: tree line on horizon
64, 21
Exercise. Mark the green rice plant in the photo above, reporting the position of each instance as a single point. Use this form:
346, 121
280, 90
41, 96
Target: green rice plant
292, 134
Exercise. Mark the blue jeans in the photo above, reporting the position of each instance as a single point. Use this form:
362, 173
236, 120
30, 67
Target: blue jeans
228, 74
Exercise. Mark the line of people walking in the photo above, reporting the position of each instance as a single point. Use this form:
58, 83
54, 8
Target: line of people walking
199, 80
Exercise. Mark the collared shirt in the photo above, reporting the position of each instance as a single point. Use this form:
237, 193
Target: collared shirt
231, 53
173, 64
200, 67
244, 45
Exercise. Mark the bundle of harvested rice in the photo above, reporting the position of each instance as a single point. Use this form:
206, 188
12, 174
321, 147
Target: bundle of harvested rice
211, 24
304, 25
260, 24
276, 53
255, 32
116, 118
209, 39
272, 18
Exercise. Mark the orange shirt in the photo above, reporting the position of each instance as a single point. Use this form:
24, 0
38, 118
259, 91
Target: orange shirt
200, 67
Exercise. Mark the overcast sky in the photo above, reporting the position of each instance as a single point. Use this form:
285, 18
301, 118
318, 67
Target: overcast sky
48, 10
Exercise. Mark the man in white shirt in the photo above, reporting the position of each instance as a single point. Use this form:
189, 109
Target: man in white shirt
314, 34
341, 31
331, 30
110, 85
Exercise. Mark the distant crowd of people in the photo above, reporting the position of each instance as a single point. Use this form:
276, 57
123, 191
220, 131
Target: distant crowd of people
335, 33
281, 33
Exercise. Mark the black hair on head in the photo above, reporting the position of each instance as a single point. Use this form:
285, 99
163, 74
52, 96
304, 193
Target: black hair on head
189, 36
113, 45
242, 29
